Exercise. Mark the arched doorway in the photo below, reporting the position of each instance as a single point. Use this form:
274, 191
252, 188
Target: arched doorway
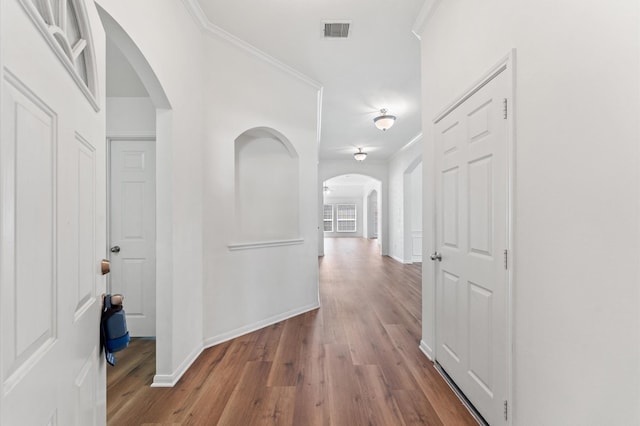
121, 41
351, 207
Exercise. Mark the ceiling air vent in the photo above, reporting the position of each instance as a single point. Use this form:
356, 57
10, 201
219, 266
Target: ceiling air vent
336, 29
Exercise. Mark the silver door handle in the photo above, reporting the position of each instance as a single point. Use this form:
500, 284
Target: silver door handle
436, 256
115, 249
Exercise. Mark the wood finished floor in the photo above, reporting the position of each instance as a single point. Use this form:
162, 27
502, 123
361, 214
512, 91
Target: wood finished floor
353, 362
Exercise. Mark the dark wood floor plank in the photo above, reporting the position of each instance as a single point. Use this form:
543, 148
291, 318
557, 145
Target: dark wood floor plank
311, 404
267, 342
287, 367
353, 362
436, 390
268, 405
415, 408
346, 405
382, 407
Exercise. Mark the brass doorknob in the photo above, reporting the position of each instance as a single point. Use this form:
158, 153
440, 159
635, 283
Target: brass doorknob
105, 266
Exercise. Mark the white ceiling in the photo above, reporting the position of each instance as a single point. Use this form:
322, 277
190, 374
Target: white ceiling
378, 66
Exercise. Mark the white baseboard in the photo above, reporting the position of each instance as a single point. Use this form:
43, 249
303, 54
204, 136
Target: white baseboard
426, 350
170, 380
397, 259
221, 338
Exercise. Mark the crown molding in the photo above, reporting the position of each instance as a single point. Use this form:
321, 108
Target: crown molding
210, 28
425, 14
415, 139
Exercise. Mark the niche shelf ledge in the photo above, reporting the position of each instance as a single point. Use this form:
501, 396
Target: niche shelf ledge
264, 244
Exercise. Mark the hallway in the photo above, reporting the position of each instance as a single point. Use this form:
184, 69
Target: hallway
355, 361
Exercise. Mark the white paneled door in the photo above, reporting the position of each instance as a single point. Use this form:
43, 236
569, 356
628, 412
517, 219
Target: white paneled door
471, 232
52, 227
133, 231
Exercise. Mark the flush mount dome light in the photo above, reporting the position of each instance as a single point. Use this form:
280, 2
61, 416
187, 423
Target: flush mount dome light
360, 156
384, 121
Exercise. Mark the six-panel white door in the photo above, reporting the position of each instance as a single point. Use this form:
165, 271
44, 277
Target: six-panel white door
133, 231
471, 231
52, 226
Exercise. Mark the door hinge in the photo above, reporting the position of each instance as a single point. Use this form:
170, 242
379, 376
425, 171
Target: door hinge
504, 108
506, 259
506, 410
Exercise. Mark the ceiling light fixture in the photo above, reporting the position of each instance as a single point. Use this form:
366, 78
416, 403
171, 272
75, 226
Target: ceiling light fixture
384, 121
360, 156
326, 189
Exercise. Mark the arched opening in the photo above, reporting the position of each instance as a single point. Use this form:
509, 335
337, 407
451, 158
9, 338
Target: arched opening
351, 207
161, 115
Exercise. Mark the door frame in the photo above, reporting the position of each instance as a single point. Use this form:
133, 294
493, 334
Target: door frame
507, 66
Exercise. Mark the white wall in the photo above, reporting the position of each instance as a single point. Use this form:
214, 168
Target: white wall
378, 170
172, 48
215, 91
400, 199
359, 216
371, 227
248, 289
131, 117
576, 325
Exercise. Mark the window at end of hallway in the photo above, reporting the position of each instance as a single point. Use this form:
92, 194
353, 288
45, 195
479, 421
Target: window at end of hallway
328, 218
346, 217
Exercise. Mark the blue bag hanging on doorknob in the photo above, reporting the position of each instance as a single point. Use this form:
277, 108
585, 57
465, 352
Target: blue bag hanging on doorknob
114, 335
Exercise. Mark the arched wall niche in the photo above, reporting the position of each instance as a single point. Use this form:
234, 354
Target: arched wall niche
266, 187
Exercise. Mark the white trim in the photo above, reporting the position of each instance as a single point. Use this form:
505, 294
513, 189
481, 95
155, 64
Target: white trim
319, 114
3, 240
426, 350
211, 29
415, 139
170, 380
511, 227
397, 259
425, 14
141, 134
501, 66
264, 244
233, 334
506, 65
